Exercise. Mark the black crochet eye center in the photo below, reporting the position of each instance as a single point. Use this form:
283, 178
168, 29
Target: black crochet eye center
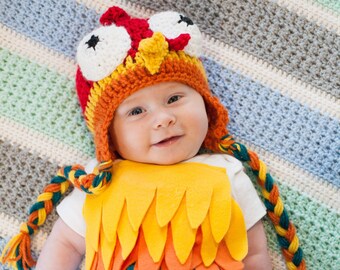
92, 42
186, 20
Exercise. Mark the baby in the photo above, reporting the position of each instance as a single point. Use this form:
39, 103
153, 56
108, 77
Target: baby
162, 193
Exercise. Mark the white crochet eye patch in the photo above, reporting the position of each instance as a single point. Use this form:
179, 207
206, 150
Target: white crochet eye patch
172, 24
102, 51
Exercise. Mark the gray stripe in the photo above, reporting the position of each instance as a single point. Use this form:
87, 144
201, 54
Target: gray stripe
270, 32
23, 177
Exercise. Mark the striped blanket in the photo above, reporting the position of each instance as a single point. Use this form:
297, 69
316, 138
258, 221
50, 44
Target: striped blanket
274, 64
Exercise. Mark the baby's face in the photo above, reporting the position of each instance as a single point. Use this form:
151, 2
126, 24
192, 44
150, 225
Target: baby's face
162, 124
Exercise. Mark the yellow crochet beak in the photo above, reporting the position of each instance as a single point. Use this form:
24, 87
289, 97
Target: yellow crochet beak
152, 52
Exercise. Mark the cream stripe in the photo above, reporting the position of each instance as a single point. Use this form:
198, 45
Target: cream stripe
248, 65
36, 52
296, 178
272, 77
314, 12
277, 259
131, 8
47, 147
10, 226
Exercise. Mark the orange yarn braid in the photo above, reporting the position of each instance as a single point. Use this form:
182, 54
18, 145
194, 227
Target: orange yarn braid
285, 229
17, 252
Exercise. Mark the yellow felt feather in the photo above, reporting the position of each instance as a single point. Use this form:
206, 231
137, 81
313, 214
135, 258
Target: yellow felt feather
138, 202
154, 235
126, 234
169, 201
236, 238
111, 215
209, 245
93, 215
183, 235
107, 249
219, 211
197, 202
90, 253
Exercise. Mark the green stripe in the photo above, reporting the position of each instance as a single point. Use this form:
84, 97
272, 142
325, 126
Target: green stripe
42, 100
333, 5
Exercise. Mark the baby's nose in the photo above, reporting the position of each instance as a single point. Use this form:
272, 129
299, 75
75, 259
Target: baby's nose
163, 119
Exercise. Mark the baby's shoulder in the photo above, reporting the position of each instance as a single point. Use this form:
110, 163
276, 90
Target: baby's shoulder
230, 163
91, 164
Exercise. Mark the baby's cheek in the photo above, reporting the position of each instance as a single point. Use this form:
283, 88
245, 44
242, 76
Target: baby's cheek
131, 143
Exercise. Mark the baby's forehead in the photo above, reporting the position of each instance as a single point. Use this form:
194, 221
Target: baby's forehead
158, 89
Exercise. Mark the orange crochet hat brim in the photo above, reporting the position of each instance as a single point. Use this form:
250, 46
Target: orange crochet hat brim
183, 69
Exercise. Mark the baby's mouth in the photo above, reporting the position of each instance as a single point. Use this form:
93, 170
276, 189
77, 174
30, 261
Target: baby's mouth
168, 141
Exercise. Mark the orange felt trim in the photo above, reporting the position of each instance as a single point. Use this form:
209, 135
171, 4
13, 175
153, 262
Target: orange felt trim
98, 262
169, 260
196, 259
117, 260
224, 259
211, 267
170, 257
145, 261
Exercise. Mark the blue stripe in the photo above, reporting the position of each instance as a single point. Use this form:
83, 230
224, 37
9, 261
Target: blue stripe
278, 124
48, 20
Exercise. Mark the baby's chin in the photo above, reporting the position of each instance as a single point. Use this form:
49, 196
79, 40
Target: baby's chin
168, 160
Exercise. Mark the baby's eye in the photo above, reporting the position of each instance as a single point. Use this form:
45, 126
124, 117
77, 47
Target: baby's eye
174, 99
136, 111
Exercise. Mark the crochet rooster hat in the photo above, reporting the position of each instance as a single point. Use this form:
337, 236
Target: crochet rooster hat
122, 56
127, 54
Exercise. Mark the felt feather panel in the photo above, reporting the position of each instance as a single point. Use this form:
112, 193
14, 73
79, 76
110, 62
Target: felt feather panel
210, 212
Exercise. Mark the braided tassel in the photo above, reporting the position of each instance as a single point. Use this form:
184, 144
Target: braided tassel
90, 183
17, 252
285, 229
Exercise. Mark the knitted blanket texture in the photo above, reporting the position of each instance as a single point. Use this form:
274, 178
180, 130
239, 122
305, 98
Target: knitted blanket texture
275, 64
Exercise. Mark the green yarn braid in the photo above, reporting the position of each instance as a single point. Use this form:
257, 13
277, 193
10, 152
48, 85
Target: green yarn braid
17, 252
285, 229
